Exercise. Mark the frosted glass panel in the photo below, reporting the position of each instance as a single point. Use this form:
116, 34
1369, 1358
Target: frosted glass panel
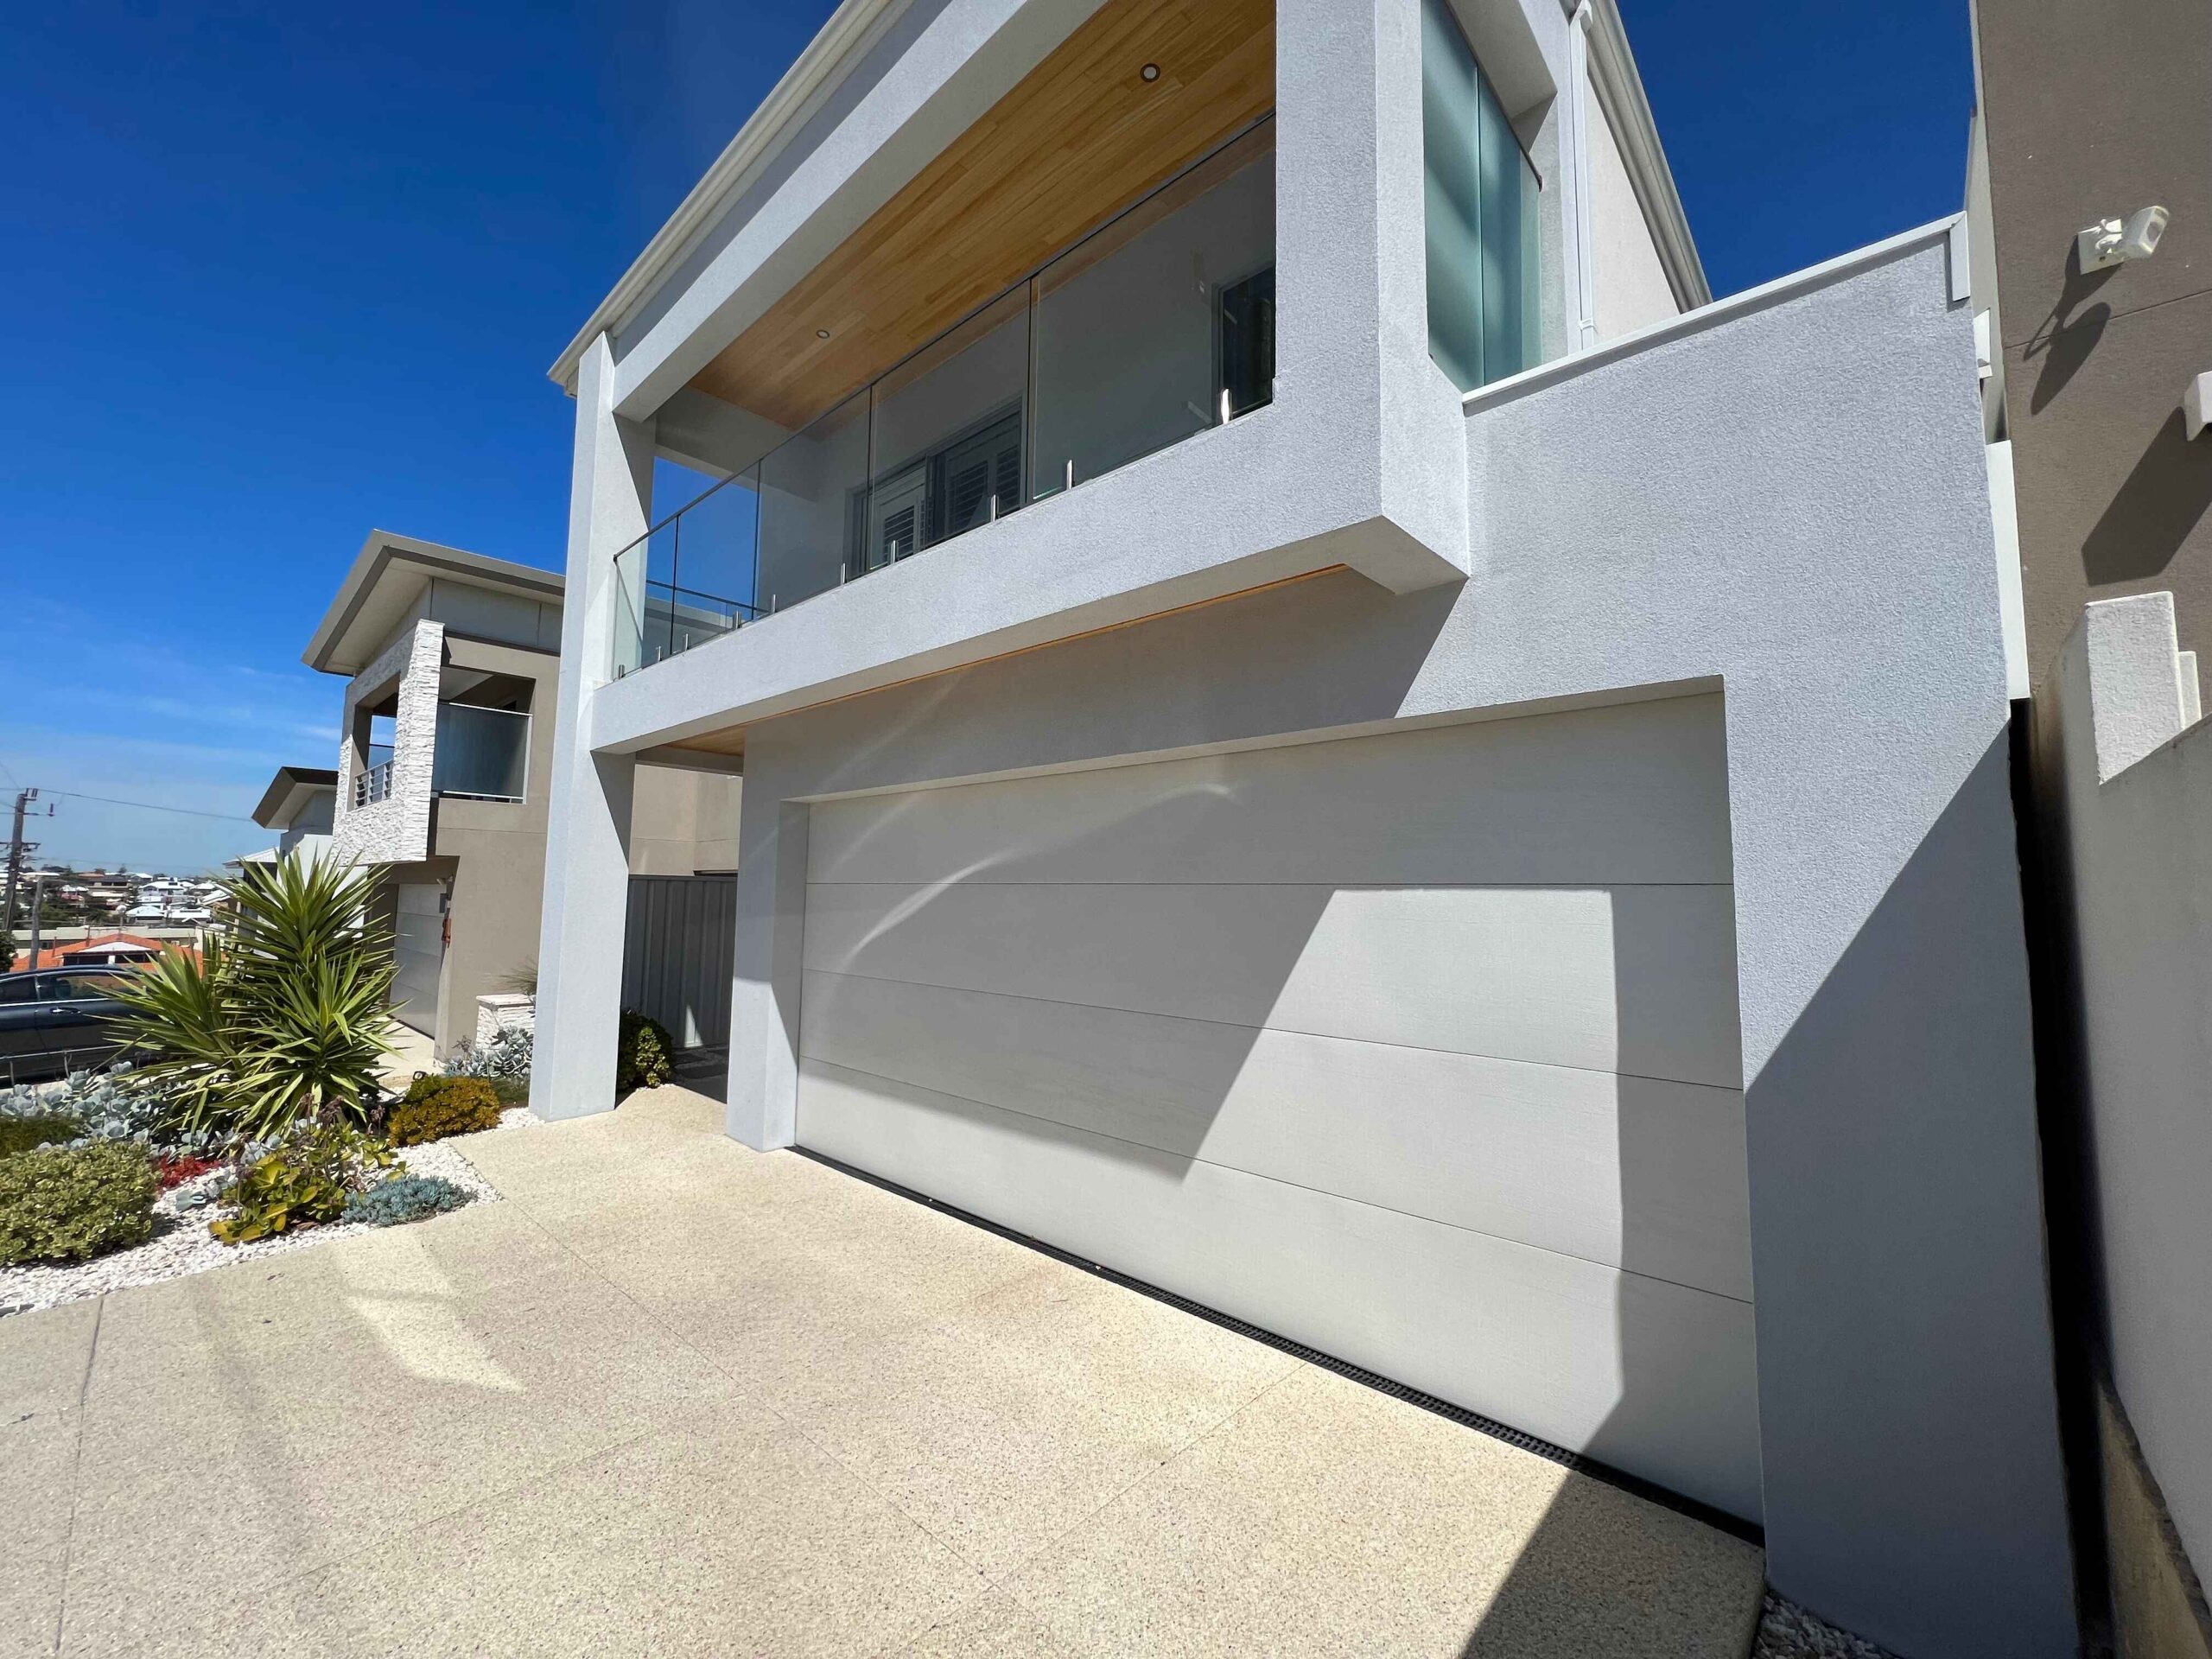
1480, 200
813, 490
1160, 325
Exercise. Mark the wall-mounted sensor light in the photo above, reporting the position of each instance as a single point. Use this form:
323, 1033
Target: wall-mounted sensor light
2195, 404
2112, 241
1150, 72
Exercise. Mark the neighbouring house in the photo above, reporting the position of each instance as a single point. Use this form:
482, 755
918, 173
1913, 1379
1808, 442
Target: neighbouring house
1321, 728
451, 664
2093, 128
301, 804
102, 950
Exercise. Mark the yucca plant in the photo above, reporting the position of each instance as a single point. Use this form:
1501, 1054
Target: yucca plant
287, 1020
178, 1016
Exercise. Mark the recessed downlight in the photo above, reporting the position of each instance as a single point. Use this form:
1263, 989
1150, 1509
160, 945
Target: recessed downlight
1150, 72
821, 334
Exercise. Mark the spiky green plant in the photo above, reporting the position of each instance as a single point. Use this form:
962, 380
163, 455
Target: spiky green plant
178, 1015
286, 1021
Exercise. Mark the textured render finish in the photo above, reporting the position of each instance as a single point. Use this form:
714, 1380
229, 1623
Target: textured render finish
587, 886
683, 822
1633, 292
1846, 595
396, 829
2138, 795
1654, 521
494, 855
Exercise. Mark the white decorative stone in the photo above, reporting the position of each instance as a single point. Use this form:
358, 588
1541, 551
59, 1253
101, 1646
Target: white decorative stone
504, 1011
396, 828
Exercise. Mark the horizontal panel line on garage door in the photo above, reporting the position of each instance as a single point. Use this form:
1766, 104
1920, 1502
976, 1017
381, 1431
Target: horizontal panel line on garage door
1231, 1025
1364, 1204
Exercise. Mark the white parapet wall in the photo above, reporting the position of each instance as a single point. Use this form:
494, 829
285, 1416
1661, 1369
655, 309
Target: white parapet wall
2139, 803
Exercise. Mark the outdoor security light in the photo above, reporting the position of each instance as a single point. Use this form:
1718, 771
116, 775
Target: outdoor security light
2113, 241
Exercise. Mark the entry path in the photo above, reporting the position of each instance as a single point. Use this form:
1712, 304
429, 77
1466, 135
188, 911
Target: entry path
674, 1396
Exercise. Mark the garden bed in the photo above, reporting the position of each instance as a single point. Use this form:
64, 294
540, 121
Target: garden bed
181, 1243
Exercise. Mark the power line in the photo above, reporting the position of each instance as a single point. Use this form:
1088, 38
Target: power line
150, 806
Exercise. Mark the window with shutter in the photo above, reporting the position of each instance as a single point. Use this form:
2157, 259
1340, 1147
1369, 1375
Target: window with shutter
1247, 369
896, 512
983, 475
953, 488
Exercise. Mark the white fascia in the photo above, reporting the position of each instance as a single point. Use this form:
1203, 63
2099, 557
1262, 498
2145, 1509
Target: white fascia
939, 83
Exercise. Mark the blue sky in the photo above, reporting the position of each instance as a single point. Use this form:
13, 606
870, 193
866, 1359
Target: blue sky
278, 274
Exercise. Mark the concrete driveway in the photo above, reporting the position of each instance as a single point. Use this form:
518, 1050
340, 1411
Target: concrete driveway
675, 1396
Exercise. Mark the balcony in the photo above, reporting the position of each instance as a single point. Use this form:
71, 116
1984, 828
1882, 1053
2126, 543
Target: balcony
1157, 326
483, 754
373, 782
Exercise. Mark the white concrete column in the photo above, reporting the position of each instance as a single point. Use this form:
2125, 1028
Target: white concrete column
588, 821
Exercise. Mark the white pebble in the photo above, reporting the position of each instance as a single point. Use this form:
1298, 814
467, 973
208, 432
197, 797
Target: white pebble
181, 1243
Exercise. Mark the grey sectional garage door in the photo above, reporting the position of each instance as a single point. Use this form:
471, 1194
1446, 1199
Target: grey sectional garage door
1419, 1048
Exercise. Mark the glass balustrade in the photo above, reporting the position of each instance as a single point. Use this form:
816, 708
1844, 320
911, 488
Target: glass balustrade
482, 753
1157, 326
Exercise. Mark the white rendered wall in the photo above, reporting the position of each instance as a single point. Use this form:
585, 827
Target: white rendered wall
1632, 290
2138, 804
585, 909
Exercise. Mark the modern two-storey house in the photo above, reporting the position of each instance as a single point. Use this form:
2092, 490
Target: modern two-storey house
445, 757
300, 805
1320, 729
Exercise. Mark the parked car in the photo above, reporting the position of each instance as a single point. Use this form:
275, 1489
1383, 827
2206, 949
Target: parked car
56, 1021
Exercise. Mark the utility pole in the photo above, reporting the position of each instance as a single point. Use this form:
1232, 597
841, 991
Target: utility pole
23, 799
38, 904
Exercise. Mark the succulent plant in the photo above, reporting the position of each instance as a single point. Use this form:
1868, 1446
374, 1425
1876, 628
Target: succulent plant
405, 1198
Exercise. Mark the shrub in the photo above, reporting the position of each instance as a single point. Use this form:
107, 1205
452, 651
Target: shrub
305, 1179
437, 1107
647, 1057
174, 1169
405, 1198
21, 1134
504, 1054
70, 1204
120, 1103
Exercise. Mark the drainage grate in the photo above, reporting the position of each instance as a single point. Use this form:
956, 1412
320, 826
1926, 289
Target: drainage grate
1720, 1520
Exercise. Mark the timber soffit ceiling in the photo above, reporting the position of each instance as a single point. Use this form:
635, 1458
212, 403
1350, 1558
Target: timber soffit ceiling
1083, 136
